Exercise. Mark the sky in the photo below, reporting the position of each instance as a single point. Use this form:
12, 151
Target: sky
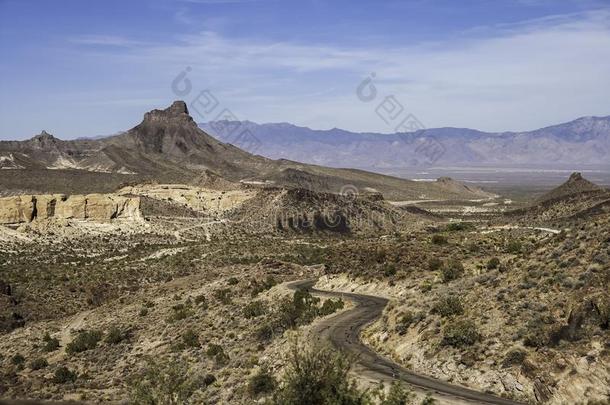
87, 68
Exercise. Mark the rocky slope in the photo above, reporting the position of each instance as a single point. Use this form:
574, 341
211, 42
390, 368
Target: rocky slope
572, 201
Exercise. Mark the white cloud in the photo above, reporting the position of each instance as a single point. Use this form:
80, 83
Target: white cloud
514, 77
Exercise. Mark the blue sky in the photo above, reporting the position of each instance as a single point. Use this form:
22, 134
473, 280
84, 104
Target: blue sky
81, 68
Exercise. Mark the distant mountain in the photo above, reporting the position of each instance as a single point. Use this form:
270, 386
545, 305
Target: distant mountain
575, 185
168, 146
582, 141
571, 201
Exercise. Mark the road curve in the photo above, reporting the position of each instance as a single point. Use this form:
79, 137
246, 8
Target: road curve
343, 331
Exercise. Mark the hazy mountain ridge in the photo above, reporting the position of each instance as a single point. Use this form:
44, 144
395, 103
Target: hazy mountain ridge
584, 140
168, 146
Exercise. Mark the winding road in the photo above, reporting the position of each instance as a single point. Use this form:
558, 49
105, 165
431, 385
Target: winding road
343, 331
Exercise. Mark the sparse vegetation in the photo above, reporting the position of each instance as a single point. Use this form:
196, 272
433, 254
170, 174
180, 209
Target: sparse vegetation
460, 333
85, 340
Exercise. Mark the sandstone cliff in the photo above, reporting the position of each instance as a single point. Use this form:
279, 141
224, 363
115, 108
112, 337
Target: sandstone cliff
96, 207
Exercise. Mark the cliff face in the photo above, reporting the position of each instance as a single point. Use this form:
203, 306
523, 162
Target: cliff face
95, 207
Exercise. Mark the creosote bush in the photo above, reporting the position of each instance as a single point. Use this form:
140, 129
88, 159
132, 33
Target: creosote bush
85, 340
460, 333
50, 344
63, 375
261, 383
452, 270
448, 306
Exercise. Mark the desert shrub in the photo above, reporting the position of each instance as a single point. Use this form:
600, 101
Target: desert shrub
180, 312
318, 376
398, 395
143, 312
452, 270
536, 332
39, 363
389, 270
265, 332
254, 309
331, 306
63, 375
261, 383
403, 322
459, 226
217, 353
434, 264
514, 246
191, 338
493, 263
201, 301
258, 287
223, 295
448, 306
166, 383
17, 360
460, 333
50, 344
514, 357
233, 281
428, 400
439, 239
85, 340
116, 335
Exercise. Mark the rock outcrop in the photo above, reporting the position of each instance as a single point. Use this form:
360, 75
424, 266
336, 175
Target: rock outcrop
95, 207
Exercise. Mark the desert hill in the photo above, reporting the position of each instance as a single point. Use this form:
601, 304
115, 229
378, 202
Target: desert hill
576, 198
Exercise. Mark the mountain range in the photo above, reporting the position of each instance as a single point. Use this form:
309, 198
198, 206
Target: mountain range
169, 147
584, 141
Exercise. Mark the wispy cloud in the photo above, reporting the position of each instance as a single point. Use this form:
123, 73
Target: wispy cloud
494, 78
104, 40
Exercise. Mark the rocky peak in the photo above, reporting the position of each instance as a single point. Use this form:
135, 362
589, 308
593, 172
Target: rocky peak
43, 140
177, 112
574, 177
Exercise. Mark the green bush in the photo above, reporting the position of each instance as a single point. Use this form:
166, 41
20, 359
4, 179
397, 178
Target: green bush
223, 295
460, 226
404, 322
318, 376
398, 395
261, 383
460, 333
448, 306
435, 264
50, 344
85, 340
439, 239
191, 338
39, 363
64, 375
166, 383
452, 270
514, 246
389, 270
17, 360
514, 357
493, 263
254, 309
115, 336
331, 306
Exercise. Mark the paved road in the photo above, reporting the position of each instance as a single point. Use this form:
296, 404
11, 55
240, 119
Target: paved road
343, 331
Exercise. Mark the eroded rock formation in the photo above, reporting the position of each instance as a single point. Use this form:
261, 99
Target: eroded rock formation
96, 207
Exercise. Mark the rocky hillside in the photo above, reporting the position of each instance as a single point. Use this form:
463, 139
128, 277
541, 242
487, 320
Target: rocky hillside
168, 147
585, 140
574, 199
